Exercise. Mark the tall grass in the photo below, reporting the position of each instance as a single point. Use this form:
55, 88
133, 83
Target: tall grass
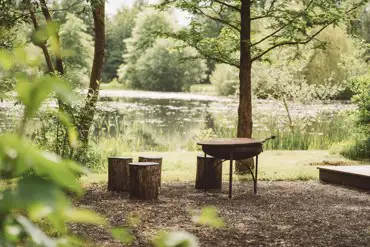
315, 133
318, 132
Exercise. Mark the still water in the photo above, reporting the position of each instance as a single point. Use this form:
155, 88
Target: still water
182, 116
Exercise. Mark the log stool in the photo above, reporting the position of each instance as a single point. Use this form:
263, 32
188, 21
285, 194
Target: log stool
156, 159
209, 173
118, 173
144, 180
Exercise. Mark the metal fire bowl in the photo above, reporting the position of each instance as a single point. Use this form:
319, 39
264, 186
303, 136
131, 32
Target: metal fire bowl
239, 148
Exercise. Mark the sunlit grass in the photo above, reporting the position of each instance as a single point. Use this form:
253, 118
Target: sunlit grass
205, 89
273, 165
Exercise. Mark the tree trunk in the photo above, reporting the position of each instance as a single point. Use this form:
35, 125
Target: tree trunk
154, 159
144, 180
42, 45
88, 110
245, 94
118, 173
58, 59
209, 173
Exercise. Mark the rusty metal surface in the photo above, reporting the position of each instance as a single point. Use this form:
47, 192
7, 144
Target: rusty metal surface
235, 148
229, 142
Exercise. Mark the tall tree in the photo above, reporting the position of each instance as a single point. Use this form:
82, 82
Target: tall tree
148, 25
98, 10
119, 28
78, 47
286, 23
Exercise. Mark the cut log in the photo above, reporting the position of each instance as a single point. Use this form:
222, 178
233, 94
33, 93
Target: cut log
155, 159
209, 173
118, 173
144, 180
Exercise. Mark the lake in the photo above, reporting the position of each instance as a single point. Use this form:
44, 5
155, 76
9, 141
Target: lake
181, 117
175, 119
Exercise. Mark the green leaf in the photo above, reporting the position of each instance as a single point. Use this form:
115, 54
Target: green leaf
12, 232
41, 197
48, 165
176, 239
84, 216
123, 235
36, 234
6, 60
66, 121
209, 217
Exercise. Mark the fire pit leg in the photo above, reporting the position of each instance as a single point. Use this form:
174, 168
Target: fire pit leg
231, 175
255, 176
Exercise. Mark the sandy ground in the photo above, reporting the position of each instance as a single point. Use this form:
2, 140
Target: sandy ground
282, 214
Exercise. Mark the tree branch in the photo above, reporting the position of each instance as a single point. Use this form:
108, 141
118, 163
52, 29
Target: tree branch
218, 20
23, 14
299, 42
303, 42
58, 60
228, 5
42, 45
284, 26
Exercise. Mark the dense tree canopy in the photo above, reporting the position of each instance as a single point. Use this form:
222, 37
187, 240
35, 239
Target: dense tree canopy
119, 28
155, 64
163, 67
78, 48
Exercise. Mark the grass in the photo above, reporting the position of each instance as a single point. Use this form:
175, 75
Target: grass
112, 85
273, 165
205, 89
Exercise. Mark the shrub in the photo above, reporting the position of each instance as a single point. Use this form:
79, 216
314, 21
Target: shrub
164, 67
361, 148
226, 79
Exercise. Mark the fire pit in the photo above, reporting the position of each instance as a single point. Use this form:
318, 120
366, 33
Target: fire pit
238, 149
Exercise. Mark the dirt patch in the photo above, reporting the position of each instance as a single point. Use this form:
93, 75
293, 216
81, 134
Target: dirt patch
282, 214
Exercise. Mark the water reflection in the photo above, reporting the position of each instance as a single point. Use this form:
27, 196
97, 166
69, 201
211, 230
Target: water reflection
164, 117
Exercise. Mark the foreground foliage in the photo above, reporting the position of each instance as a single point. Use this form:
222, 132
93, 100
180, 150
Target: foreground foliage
34, 182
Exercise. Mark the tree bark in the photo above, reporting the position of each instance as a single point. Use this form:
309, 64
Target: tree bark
93, 92
58, 59
118, 173
245, 90
155, 159
144, 180
209, 173
42, 45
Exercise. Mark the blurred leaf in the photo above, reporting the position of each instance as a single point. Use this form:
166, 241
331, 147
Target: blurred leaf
12, 232
6, 59
44, 164
66, 121
176, 239
84, 216
36, 234
133, 220
209, 217
41, 197
123, 235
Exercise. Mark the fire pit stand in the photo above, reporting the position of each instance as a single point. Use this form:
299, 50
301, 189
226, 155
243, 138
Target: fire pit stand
238, 149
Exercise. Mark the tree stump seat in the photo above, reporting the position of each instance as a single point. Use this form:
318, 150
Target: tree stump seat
118, 173
209, 173
155, 159
144, 180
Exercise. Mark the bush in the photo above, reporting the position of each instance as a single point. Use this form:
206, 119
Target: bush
361, 148
164, 67
226, 79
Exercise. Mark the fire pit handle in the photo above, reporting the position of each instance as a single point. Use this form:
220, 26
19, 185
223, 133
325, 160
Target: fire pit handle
269, 138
